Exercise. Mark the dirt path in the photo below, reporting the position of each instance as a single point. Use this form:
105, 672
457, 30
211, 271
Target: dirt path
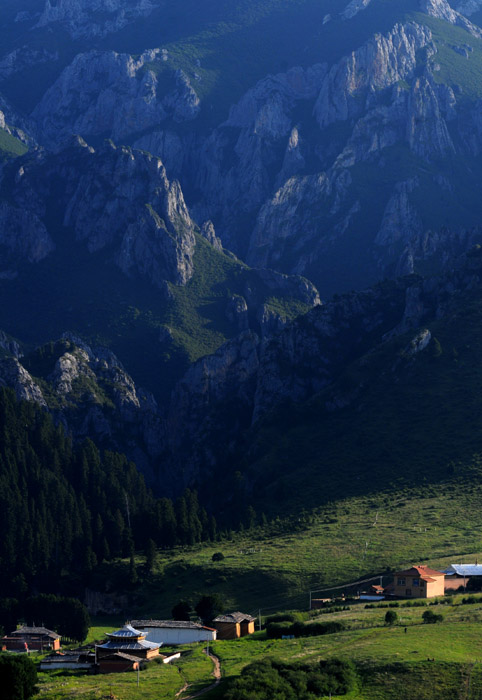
216, 674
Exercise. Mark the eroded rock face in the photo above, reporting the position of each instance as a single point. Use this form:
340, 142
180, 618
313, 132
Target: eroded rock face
16, 377
115, 198
223, 394
379, 64
111, 94
467, 7
443, 10
91, 18
92, 395
23, 236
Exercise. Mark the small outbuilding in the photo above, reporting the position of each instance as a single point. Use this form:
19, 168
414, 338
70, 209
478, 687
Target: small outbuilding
72, 660
174, 632
234, 625
32, 639
119, 662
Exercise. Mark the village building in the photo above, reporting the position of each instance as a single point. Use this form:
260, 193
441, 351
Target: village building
70, 661
174, 631
119, 662
130, 641
418, 582
234, 625
32, 639
457, 577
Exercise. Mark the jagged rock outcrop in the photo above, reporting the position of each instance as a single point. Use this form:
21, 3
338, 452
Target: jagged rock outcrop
15, 124
113, 198
23, 236
467, 7
442, 10
23, 58
93, 18
108, 93
10, 346
215, 387
284, 190
354, 7
16, 377
225, 393
92, 395
208, 232
379, 64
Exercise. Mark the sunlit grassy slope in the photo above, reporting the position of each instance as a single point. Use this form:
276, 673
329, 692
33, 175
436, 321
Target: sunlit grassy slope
433, 662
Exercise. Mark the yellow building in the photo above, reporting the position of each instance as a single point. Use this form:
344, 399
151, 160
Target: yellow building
418, 582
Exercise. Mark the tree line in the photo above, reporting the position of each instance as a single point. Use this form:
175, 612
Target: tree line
67, 507
66, 616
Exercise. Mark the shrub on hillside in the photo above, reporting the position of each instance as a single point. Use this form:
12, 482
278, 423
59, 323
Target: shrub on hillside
390, 617
267, 679
430, 618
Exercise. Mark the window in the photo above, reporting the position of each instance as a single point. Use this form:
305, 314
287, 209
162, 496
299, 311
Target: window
408, 591
401, 582
415, 582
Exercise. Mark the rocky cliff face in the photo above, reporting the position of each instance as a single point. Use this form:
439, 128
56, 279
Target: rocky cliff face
111, 94
114, 199
93, 18
290, 177
222, 395
87, 389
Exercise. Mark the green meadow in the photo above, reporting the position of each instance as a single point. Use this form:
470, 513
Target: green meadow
441, 660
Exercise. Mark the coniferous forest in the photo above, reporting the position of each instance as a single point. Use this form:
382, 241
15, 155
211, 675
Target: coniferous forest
66, 508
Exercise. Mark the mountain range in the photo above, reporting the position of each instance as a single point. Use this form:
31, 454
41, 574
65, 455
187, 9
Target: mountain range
188, 198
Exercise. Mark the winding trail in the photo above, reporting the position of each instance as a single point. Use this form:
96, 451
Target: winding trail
217, 678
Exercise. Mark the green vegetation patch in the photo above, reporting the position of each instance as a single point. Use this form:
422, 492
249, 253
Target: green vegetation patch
10, 147
458, 61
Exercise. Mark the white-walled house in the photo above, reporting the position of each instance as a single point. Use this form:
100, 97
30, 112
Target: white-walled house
174, 631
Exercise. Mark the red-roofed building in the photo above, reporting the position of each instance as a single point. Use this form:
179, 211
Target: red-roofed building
418, 582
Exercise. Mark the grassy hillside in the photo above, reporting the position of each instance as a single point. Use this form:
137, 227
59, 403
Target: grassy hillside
87, 294
274, 567
432, 662
408, 420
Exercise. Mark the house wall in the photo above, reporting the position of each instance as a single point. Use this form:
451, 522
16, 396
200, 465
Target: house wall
437, 587
228, 630
414, 587
33, 644
140, 653
117, 667
172, 635
247, 628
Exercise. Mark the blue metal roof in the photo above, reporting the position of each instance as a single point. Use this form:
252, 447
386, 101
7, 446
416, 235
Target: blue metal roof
119, 646
126, 632
466, 569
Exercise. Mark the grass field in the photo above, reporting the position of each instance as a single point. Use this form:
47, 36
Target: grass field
434, 661
157, 681
275, 568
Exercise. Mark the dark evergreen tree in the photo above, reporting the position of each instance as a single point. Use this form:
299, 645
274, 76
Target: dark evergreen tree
209, 606
151, 555
18, 677
182, 611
